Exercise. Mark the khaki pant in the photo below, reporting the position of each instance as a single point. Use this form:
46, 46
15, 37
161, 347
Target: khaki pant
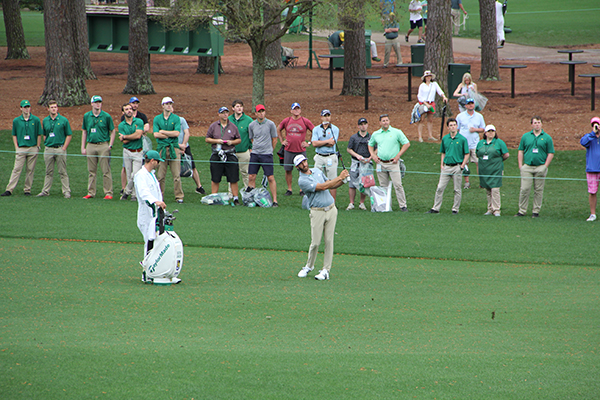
322, 225
99, 153
243, 162
56, 157
389, 45
174, 163
493, 200
133, 163
328, 164
535, 176
391, 172
453, 173
25, 156
455, 20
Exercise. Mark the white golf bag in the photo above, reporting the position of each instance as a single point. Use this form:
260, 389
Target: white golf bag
163, 263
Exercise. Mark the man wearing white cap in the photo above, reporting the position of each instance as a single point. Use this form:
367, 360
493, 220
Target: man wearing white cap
471, 124
166, 131
97, 138
323, 214
324, 139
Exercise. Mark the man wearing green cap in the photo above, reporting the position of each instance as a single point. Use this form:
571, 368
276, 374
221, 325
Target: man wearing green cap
57, 131
149, 196
97, 138
166, 128
27, 137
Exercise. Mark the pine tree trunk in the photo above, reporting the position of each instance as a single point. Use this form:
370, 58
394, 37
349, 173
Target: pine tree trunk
438, 46
15, 37
138, 72
273, 51
489, 46
65, 81
81, 31
206, 65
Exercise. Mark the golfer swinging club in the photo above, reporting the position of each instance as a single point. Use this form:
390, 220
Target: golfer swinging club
149, 198
323, 213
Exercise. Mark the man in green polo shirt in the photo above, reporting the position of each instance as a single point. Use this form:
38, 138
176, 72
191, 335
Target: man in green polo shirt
131, 130
27, 138
97, 138
57, 131
536, 152
242, 150
391, 144
166, 128
455, 155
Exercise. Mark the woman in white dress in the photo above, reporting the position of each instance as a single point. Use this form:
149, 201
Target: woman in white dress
426, 97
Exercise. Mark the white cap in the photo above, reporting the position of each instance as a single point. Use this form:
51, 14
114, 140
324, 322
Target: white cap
298, 159
490, 128
166, 100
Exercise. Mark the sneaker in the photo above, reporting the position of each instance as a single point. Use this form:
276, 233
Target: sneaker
42, 194
179, 201
200, 190
7, 193
249, 189
362, 206
124, 196
275, 204
108, 197
350, 207
467, 185
288, 193
236, 202
88, 196
27, 193
519, 215
406, 38
122, 192
420, 41
592, 218
454, 212
488, 213
497, 214
403, 209
304, 271
67, 195
432, 211
133, 198
301, 193
376, 59
535, 215
322, 275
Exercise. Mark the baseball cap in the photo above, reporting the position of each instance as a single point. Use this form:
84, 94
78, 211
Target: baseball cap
594, 120
25, 103
298, 159
296, 105
223, 109
166, 100
153, 155
362, 121
325, 112
134, 99
490, 128
259, 107
470, 100
96, 99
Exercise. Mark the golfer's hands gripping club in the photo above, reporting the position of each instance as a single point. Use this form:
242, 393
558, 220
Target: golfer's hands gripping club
345, 176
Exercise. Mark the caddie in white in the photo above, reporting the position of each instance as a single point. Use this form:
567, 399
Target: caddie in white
163, 255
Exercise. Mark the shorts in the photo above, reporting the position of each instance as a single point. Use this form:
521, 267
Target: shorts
473, 156
327, 164
415, 24
219, 168
592, 180
288, 159
188, 151
261, 160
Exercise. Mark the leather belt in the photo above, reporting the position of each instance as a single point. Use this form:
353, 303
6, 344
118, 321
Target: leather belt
135, 150
385, 161
451, 165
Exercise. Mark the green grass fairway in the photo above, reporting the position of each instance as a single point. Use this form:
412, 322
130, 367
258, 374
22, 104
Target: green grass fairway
33, 25
78, 323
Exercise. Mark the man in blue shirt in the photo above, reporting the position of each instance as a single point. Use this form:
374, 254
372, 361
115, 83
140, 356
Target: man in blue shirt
591, 142
323, 213
324, 138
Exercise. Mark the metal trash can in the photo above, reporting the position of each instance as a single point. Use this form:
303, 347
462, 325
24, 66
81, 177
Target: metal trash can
455, 74
417, 56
